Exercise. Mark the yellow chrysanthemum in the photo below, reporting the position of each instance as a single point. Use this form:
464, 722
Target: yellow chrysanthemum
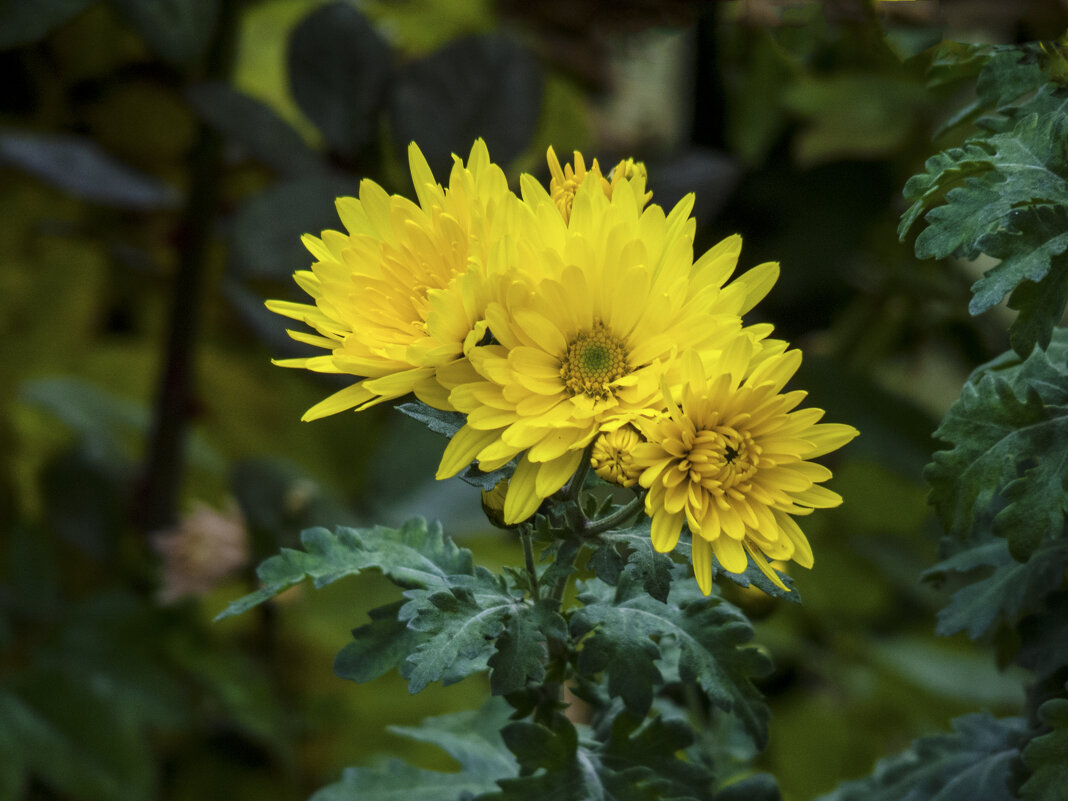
566, 180
401, 293
731, 461
612, 457
583, 344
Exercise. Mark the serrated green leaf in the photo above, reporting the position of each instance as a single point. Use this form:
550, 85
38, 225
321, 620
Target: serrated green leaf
624, 760
1003, 194
460, 622
972, 764
1040, 306
521, 648
1009, 591
709, 635
1010, 73
1009, 432
415, 555
377, 647
398, 781
472, 738
631, 551
1047, 755
1044, 637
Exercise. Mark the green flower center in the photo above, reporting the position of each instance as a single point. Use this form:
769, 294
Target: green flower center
592, 361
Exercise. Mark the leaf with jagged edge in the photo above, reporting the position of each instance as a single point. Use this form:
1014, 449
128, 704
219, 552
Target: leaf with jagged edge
460, 622
472, 738
1012, 589
378, 647
708, 633
1009, 438
1044, 637
1047, 755
1003, 194
415, 555
626, 759
974, 763
522, 648
631, 551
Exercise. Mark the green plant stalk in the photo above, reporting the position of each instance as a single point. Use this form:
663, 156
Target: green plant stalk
161, 479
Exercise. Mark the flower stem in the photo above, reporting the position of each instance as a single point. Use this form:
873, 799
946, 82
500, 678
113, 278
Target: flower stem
616, 518
528, 554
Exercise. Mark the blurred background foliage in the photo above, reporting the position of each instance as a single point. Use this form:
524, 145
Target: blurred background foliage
158, 164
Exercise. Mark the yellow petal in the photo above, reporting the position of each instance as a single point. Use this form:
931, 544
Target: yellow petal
462, 450
702, 563
665, 530
356, 395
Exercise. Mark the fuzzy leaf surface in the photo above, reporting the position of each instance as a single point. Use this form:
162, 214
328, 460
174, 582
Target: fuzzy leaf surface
522, 647
1008, 591
460, 623
971, 764
624, 760
1047, 755
1009, 454
414, 555
471, 738
709, 635
1004, 194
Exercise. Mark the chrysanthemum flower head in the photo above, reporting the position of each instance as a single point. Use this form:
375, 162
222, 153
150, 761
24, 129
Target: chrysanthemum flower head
582, 344
566, 180
731, 460
395, 296
612, 456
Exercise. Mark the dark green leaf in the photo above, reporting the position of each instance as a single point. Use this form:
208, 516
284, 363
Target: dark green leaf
255, 127
709, 635
1047, 755
472, 738
1011, 590
1010, 73
339, 71
178, 31
624, 760
414, 555
1003, 194
1044, 637
631, 551
1009, 433
473, 87
761, 787
24, 23
378, 647
521, 648
460, 623
268, 227
79, 166
1038, 304
398, 781
972, 764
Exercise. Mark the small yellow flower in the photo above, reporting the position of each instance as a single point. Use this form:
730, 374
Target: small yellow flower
401, 293
566, 180
612, 457
731, 460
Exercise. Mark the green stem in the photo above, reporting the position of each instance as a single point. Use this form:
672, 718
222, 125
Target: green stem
579, 478
528, 554
164, 467
613, 520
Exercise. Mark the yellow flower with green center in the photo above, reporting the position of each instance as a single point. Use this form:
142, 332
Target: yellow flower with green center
566, 180
612, 456
403, 291
609, 301
731, 461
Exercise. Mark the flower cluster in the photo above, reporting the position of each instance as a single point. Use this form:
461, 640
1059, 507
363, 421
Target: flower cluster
568, 323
